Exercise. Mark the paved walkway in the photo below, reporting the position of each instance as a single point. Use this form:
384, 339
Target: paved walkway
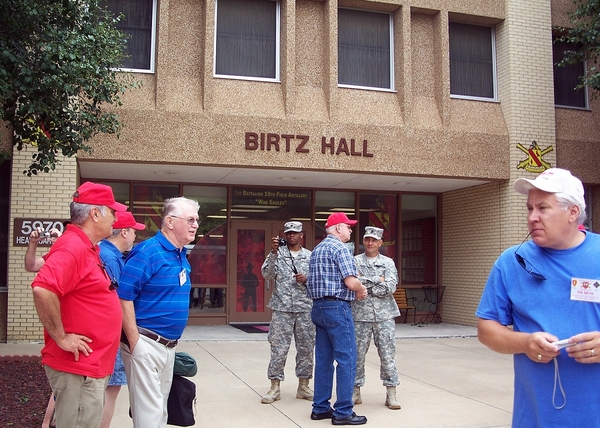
448, 379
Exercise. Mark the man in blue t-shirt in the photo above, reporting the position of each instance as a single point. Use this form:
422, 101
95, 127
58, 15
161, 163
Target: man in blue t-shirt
332, 284
154, 290
112, 259
547, 289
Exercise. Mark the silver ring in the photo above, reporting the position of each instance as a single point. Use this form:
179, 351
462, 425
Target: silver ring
539, 357
592, 353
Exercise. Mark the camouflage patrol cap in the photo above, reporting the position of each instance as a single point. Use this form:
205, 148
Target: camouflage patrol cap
373, 232
292, 226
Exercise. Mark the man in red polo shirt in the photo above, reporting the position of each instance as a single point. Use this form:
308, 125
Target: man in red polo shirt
80, 310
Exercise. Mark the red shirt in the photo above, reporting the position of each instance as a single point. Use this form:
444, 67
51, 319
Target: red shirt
88, 307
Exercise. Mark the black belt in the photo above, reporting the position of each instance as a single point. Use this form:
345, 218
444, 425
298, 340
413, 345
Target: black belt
331, 298
157, 338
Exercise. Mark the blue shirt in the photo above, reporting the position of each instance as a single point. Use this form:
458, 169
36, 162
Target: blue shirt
156, 277
112, 259
514, 297
330, 262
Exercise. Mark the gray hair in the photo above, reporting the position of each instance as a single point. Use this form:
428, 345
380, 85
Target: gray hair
173, 205
565, 201
80, 212
115, 233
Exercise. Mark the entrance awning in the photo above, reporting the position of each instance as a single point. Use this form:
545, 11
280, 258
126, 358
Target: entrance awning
348, 180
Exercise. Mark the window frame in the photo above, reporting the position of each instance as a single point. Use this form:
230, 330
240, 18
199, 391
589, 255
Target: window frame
277, 78
392, 83
494, 98
152, 68
585, 88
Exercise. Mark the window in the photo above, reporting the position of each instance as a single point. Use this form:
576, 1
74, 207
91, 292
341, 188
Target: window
121, 191
270, 204
380, 210
148, 204
472, 61
140, 24
365, 49
247, 40
567, 78
419, 239
329, 202
208, 256
5, 196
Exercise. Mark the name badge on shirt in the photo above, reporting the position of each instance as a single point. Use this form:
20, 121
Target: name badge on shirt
182, 277
585, 290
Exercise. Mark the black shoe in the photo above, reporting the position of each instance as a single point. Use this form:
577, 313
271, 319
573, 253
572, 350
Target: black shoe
325, 415
353, 419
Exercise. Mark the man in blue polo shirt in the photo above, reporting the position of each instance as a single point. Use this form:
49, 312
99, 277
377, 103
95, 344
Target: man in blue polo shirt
332, 284
154, 291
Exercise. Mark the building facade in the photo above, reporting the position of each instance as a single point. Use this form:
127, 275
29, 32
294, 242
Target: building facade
415, 116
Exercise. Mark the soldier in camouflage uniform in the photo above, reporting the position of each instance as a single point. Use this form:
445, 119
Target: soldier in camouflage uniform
374, 316
291, 312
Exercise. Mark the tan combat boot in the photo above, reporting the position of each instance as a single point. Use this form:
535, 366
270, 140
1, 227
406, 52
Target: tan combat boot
304, 392
274, 393
390, 398
356, 398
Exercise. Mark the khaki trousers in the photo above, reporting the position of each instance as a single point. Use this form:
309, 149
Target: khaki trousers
149, 373
79, 399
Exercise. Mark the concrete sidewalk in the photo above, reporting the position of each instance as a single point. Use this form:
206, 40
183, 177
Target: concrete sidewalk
448, 379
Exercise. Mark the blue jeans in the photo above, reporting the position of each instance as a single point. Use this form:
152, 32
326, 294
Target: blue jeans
335, 341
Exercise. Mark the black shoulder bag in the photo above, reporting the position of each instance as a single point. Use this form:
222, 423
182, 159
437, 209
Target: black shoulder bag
181, 402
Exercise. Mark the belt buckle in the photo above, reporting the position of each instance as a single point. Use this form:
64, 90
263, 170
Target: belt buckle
157, 338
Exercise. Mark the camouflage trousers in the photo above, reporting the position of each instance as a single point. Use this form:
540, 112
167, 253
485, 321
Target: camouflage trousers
384, 336
283, 326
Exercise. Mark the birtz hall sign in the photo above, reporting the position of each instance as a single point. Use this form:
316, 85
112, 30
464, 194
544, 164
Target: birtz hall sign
304, 144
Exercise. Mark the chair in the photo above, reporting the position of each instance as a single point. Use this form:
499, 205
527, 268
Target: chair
402, 302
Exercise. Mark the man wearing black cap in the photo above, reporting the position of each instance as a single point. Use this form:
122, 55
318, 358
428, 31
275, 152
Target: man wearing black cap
332, 284
80, 310
291, 307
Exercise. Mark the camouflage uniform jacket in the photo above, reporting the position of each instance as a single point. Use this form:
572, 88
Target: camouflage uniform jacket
288, 295
379, 304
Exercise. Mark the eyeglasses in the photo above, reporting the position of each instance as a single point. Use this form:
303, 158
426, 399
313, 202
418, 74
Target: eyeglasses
190, 220
525, 264
113, 280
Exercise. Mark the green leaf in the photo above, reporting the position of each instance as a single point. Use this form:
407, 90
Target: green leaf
58, 82
584, 35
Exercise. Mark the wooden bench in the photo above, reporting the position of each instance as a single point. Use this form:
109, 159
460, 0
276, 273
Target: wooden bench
402, 302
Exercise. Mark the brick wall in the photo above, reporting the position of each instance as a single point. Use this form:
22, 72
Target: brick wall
471, 228
479, 223
46, 195
525, 82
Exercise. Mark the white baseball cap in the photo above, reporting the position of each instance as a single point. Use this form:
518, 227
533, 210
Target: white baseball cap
554, 180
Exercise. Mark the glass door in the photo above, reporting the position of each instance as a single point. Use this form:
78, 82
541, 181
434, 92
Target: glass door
248, 292
250, 242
